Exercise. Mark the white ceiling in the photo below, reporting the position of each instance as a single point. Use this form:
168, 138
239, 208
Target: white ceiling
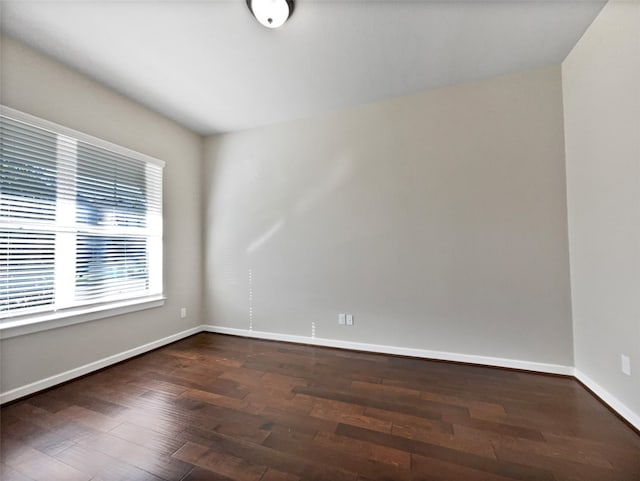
210, 66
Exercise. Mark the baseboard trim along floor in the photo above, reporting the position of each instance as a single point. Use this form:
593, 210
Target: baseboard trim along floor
607, 398
616, 405
398, 351
56, 379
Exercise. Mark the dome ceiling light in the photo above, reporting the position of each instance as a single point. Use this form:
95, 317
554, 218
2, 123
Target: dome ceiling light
271, 13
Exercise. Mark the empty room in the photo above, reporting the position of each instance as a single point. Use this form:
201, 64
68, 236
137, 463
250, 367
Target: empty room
338, 240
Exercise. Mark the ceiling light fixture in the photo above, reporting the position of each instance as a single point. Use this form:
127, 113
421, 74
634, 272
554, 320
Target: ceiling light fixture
271, 13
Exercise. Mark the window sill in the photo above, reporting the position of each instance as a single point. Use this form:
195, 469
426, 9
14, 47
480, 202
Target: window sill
54, 320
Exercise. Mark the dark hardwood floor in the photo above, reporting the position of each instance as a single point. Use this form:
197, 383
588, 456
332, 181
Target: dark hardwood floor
218, 408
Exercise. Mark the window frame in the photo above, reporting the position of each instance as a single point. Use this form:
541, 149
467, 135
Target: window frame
21, 324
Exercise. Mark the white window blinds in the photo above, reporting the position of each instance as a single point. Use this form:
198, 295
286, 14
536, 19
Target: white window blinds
80, 219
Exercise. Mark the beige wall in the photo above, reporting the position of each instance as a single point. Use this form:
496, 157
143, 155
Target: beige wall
39, 86
438, 220
601, 84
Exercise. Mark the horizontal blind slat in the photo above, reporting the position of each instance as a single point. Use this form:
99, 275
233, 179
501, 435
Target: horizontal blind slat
59, 191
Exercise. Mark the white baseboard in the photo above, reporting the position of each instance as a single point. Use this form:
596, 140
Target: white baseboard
93, 366
608, 398
400, 351
603, 394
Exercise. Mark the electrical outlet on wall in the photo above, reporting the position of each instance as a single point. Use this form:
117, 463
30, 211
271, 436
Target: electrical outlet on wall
183, 312
349, 319
625, 364
342, 319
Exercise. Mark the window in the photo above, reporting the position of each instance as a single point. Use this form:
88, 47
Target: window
80, 221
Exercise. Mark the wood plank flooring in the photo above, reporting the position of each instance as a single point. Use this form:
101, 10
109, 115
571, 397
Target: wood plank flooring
220, 408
